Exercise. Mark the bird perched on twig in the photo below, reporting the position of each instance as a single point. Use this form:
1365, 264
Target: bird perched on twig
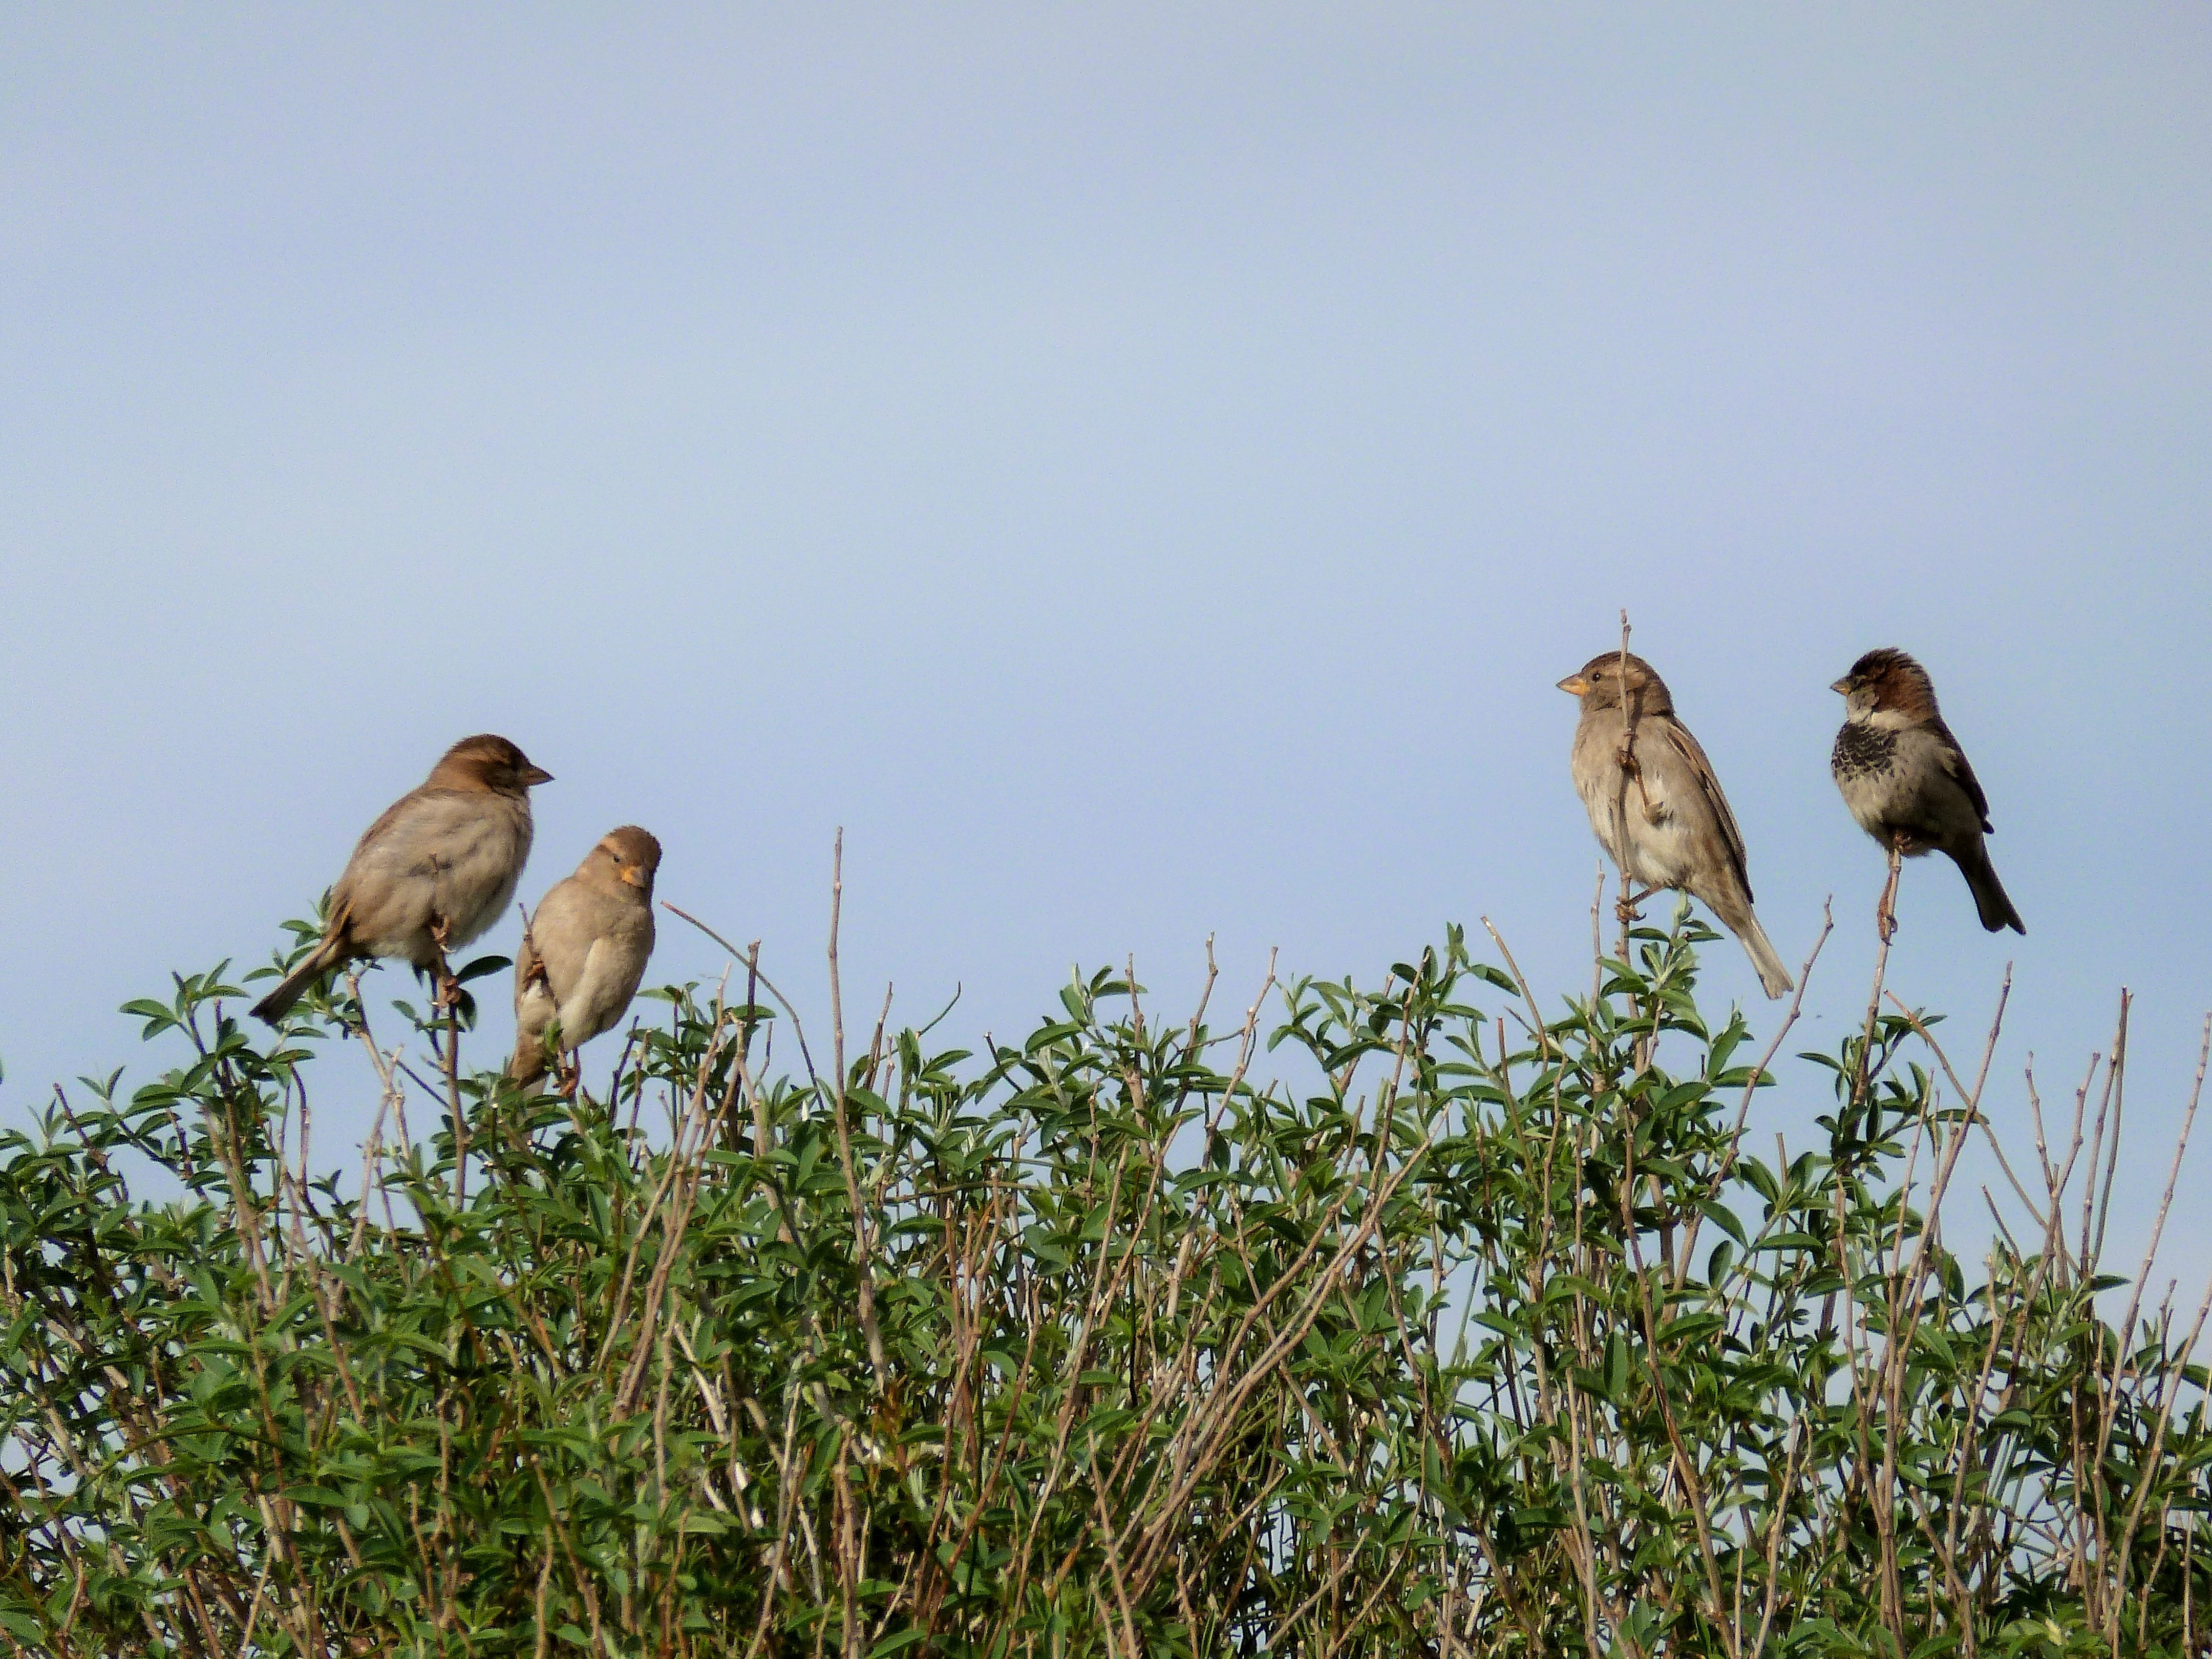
1906, 781
432, 873
584, 950
1655, 803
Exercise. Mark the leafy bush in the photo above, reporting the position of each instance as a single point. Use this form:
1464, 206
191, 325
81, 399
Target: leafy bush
1415, 1324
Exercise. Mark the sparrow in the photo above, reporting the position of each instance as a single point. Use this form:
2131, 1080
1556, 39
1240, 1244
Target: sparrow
1646, 777
432, 873
583, 952
1906, 781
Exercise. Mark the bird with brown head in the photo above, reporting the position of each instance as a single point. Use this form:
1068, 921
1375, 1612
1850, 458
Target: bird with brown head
1906, 781
1655, 804
432, 873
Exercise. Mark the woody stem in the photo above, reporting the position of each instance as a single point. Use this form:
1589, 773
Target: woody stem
449, 994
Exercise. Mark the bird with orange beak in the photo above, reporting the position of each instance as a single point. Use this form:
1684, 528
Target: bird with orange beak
584, 952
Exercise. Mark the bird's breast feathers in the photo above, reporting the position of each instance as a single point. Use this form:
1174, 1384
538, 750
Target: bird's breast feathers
1657, 848
1861, 749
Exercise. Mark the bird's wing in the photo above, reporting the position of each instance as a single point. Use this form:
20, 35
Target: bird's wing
417, 834
529, 970
534, 1010
1677, 737
562, 929
379, 890
1954, 762
603, 987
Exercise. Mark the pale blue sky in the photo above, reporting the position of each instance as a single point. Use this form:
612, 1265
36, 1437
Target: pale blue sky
1140, 470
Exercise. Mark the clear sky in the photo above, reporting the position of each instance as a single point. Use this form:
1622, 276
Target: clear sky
1140, 469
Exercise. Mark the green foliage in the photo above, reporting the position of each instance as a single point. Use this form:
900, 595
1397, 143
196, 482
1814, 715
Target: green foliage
1417, 1325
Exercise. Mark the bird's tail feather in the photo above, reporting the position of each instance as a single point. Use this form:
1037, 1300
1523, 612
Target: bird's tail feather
1773, 978
1995, 909
293, 986
1732, 904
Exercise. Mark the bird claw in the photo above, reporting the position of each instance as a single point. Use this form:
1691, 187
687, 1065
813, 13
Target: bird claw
1624, 757
1629, 907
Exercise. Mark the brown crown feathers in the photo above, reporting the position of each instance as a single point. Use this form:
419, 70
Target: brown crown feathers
486, 761
1897, 684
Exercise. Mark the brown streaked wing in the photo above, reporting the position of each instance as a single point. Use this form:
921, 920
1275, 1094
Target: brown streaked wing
385, 819
1955, 759
1686, 745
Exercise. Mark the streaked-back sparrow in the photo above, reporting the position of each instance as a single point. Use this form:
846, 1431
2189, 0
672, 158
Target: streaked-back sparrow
1906, 781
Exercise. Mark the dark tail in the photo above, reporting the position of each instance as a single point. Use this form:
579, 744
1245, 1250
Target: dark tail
293, 986
1997, 911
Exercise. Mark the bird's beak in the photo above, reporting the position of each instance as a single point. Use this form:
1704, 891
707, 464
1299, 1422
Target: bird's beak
634, 875
1574, 683
536, 775
1841, 688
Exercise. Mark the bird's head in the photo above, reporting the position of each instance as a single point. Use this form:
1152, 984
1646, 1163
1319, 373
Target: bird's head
486, 763
1601, 682
629, 855
1886, 688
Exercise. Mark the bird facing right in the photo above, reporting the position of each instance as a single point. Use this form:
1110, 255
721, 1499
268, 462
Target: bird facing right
1906, 781
584, 950
432, 873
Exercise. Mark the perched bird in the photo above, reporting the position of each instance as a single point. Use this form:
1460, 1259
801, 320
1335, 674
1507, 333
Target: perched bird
1907, 783
432, 873
1657, 805
585, 950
